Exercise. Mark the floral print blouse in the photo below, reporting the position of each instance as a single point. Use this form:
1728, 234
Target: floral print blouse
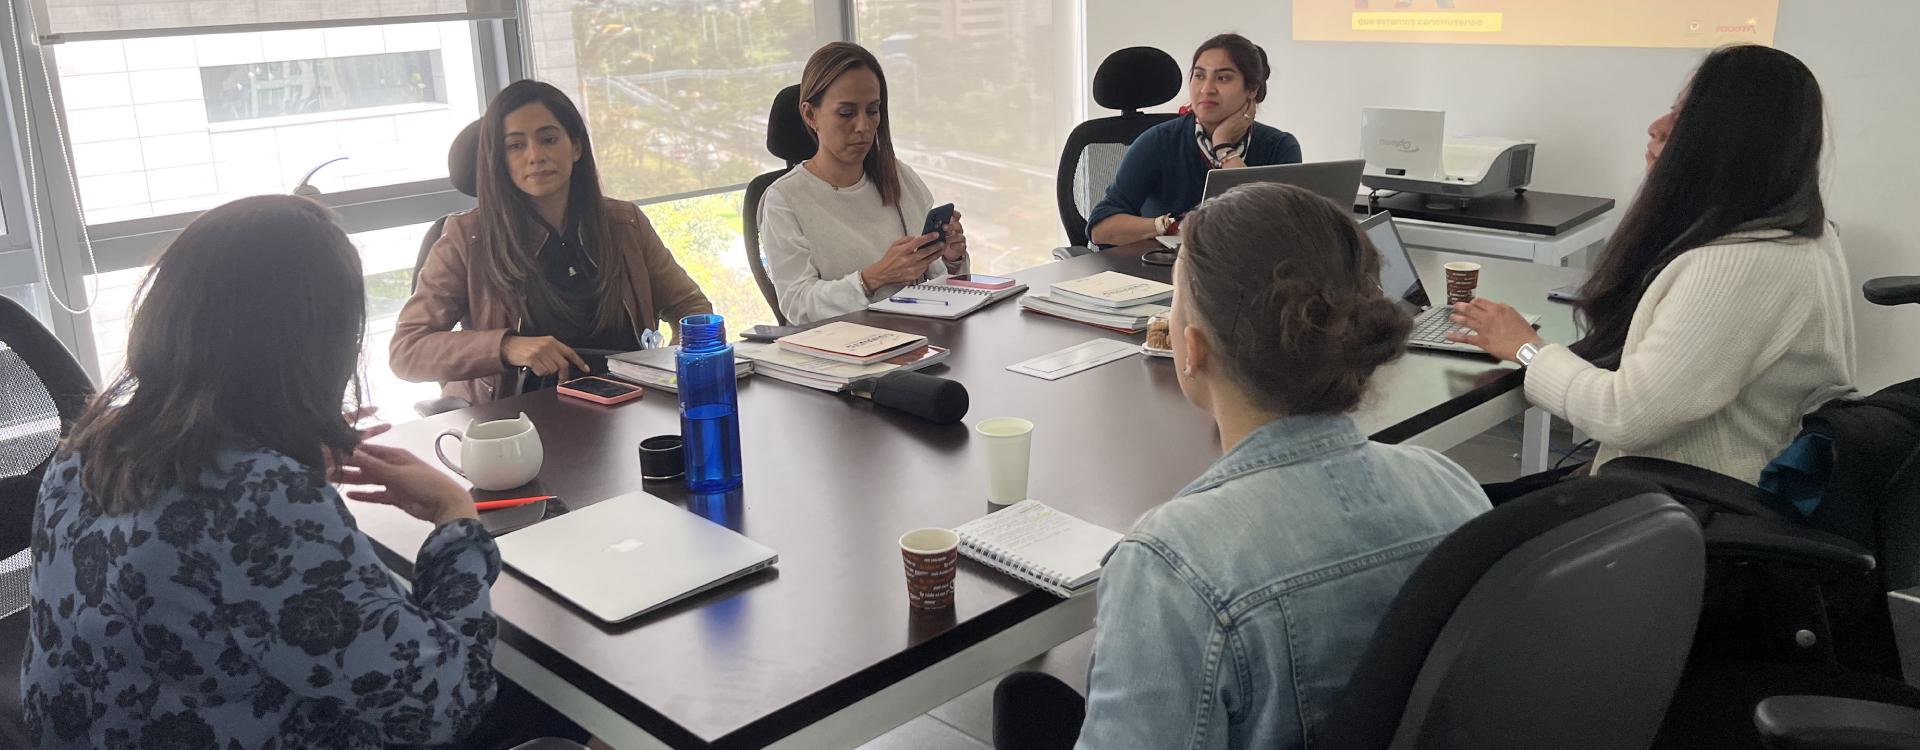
249, 612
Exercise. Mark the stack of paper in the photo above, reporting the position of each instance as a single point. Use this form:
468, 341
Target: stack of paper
654, 368
828, 375
1110, 300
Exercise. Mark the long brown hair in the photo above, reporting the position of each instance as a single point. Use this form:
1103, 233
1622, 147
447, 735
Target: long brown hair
826, 66
1744, 156
1288, 287
510, 231
248, 333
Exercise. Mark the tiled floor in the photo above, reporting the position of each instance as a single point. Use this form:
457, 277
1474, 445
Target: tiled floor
966, 722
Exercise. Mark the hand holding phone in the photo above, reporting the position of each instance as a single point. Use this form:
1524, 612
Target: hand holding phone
937, 219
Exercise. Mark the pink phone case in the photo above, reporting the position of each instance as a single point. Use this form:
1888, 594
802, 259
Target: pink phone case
971, 284
566, 389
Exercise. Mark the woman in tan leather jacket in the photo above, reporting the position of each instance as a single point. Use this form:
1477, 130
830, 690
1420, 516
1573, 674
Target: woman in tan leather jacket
543, 267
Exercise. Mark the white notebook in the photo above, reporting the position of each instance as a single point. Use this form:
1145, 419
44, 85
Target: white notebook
943, 300
1051, 550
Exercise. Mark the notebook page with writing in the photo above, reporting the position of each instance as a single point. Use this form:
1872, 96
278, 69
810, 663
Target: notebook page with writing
1038, 544
942, 300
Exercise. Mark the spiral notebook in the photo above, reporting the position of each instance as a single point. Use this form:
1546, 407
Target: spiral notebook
942, 300
1051, 550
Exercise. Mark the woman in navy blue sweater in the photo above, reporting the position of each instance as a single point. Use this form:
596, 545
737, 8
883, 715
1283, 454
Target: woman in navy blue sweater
1165, 169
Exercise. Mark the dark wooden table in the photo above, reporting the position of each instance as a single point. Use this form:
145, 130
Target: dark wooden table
824, 651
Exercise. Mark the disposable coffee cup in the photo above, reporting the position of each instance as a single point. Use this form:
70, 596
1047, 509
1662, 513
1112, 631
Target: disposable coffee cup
1009, 453
932, 556
1462, 279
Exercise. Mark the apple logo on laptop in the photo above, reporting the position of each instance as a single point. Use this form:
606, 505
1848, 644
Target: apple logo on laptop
628, 544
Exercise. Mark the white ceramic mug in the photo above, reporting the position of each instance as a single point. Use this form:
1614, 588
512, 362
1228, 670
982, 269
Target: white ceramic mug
497, 455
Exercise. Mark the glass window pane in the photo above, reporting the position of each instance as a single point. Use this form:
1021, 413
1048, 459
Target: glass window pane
177, 124
982, 97
675, 93
704, 235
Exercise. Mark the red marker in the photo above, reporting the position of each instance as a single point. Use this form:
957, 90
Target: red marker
512, 503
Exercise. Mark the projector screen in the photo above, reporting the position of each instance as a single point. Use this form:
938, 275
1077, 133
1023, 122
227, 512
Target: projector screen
1585, 23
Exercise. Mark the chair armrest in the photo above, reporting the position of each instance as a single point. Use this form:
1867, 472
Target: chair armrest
1734, 535
440, 405
1812, 722
1692, 484
1071, 251
1892, 290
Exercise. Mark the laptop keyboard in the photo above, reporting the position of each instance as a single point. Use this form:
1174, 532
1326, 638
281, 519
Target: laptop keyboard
1433, 326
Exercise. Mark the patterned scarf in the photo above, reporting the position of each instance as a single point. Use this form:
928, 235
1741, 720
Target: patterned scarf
1218, 158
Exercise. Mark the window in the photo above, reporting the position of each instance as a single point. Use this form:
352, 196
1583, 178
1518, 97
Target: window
983, 94
177, 124
300, 87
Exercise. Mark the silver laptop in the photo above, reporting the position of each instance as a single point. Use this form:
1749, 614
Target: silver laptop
1337, 181
629, 555
1401, 282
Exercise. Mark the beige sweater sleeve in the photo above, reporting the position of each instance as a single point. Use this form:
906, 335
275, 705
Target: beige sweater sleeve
1713, 320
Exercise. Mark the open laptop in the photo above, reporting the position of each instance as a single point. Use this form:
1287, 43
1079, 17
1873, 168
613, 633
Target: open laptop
629, 555
1401, 282
1337, 181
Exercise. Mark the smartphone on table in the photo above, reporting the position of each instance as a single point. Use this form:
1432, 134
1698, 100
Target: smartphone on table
937, 223
600, 390
980, 281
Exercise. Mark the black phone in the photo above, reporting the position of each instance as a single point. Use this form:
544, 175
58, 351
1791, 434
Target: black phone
937, 222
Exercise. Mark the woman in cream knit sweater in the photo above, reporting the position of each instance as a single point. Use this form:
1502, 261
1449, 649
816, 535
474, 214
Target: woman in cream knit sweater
1720, 313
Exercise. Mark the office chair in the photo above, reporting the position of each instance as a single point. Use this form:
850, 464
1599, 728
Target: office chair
788, 139
462, 156
1559, 620
1128, 80
43, 389
1796, 648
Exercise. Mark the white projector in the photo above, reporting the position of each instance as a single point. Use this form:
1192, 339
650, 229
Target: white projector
1407, 150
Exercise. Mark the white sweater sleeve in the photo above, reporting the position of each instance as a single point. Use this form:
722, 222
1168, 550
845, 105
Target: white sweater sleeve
804, 296
1724, 318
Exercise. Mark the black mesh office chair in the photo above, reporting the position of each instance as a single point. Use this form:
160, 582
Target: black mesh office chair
461, 163
42, 391
1128, 80
788, 139
1559, 620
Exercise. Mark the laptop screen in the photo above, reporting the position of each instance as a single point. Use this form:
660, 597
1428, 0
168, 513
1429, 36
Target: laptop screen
1397, 277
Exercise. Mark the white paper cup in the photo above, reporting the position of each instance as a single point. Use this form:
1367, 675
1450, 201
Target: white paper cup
1009, 452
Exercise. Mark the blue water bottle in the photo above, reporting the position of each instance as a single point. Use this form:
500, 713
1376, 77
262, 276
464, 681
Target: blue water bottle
709, 404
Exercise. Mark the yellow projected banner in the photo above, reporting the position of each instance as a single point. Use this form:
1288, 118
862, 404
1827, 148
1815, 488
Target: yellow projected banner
1584, 23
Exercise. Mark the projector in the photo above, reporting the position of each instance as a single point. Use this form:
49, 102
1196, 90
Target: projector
1406, 150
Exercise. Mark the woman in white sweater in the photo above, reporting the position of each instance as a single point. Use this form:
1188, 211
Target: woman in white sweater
838, 230
1721, 312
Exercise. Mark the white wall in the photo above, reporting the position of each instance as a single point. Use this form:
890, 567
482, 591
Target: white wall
1589, 108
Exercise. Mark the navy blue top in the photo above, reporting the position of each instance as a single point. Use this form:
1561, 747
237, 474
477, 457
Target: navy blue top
1164, 172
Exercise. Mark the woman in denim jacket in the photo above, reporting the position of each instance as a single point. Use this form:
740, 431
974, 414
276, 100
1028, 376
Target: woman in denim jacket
1230, 616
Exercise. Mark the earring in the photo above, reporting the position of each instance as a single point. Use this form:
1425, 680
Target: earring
1186, 371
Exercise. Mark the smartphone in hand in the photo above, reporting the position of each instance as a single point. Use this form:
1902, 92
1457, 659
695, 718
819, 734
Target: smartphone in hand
937, 223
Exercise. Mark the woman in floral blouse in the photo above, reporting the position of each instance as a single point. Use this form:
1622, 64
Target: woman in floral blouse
197, 582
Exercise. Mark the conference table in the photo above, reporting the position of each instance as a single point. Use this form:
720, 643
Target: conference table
823, 650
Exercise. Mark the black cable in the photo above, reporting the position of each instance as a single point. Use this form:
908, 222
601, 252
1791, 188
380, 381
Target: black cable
1574, 451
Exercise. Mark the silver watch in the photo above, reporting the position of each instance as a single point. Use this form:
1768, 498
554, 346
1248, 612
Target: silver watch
1526, 354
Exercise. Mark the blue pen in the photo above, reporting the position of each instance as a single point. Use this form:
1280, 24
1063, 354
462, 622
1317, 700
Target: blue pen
918, 301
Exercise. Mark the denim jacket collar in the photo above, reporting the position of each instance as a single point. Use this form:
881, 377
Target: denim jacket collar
1287, 440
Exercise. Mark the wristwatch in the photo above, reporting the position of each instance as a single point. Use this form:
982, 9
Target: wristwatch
1526, 354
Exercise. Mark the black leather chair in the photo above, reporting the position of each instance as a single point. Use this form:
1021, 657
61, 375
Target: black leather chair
1128, 80
1559, 620
42, 391
790, 141
461, 163
1800, 695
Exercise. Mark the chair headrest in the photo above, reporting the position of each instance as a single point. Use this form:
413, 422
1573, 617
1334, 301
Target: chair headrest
462, 157
787, 134
1136, 78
